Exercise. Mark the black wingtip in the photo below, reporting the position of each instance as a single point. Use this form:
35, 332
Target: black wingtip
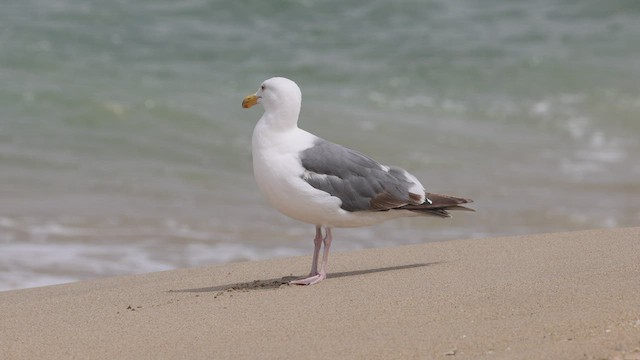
438, 205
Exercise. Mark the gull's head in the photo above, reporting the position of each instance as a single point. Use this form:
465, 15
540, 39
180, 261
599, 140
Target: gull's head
276, 94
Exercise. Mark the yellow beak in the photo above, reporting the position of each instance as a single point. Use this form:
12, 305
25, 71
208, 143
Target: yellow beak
250, 100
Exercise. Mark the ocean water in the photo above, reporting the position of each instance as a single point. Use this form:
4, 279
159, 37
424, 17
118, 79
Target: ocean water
124, 149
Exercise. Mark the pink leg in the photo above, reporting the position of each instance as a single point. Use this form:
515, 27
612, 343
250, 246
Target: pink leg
317, 243
325, 254
315, 276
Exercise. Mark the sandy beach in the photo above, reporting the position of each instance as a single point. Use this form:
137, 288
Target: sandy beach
551, 296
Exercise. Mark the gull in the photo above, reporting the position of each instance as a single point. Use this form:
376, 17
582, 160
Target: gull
328, 185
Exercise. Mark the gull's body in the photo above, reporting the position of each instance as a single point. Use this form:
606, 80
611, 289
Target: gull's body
281, 177
325, 184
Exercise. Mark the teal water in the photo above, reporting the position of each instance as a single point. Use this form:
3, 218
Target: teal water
123, 147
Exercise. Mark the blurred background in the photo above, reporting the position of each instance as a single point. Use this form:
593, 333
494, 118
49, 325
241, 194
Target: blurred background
124, 149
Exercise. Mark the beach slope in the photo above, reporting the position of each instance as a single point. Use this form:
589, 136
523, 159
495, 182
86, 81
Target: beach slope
569, 295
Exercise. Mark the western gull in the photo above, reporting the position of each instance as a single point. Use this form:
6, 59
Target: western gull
325, 184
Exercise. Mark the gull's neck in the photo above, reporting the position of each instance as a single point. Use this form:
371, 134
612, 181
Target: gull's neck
281, 118
274, 130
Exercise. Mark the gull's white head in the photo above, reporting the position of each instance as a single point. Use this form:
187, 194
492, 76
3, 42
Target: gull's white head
279, 96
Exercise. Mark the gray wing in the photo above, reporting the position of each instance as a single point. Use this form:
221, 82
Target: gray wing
360, 182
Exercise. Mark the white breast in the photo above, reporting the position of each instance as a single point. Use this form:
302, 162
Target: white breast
278, 172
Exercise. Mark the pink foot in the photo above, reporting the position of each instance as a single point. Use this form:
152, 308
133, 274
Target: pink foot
311, 280
315, 276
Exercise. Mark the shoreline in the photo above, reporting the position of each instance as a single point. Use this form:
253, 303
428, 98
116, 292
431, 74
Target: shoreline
559, 295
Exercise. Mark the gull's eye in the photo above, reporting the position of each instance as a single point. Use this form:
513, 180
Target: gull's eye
262, 87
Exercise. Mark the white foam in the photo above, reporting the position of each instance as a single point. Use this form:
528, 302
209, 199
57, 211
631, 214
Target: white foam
541, 108
38, 264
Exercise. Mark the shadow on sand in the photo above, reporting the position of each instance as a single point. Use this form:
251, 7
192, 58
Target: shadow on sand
276, 283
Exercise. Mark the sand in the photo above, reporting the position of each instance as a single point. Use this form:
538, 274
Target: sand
553, 296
